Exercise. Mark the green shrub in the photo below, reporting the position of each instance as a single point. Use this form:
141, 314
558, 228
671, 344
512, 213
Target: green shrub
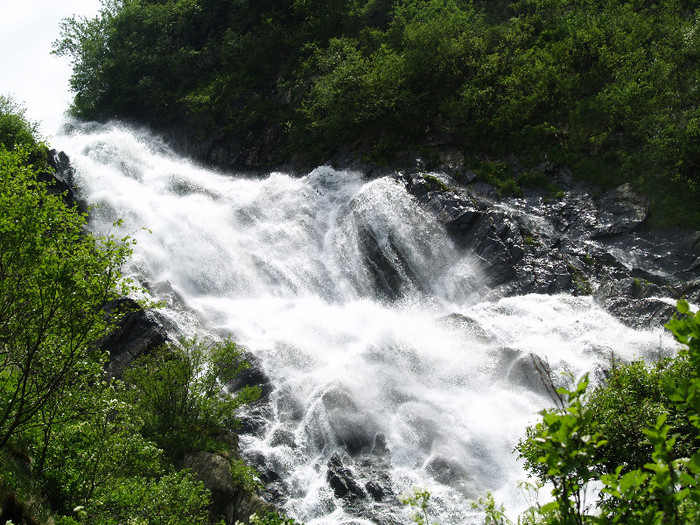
177, 498
636, 435
419, 501
270, 518
435, 184
179, 392
501, 176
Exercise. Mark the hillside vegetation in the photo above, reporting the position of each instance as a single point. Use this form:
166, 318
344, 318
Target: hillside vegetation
76, 444
609, 88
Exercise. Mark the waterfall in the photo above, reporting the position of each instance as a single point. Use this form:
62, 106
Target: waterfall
368, 321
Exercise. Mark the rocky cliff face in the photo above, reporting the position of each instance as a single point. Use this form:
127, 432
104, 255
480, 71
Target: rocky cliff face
580, 242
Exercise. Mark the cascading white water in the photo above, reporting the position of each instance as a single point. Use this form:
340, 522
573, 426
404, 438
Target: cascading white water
365, 317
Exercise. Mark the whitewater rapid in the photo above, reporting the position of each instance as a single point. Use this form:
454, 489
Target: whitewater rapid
368, 321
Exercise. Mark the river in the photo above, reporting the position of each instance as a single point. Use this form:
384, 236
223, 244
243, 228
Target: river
410, 380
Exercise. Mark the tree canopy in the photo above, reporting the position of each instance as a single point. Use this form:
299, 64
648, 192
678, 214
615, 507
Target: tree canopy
610, 88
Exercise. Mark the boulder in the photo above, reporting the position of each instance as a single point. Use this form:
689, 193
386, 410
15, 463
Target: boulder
375, 490
621, 210
342, 480
468, 326
351, 428
60, 180
138, 333
254, 417
254, 375
636, 301
214, 471
445, 470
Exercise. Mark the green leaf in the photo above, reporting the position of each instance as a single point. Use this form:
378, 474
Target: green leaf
683, 306
631, 480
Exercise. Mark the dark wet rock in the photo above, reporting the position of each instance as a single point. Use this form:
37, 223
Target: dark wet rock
374, 468
214, 150
452, 472
354, 432
375, 490
254, 375
385, 262
520, 370
351, 428
621, 210
338, 399
690, 291
492, 237
639, 302
364, 486
282, 437
288, 406
271, 473
691, 243
269, 476
342, 480
255, 416
452, 162
574, 243
523, 373
564, 179
380, 449
60, 180
168, 295
139, 333
445, 471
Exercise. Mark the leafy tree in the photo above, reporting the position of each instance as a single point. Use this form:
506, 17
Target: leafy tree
630, 401
176, 498
90, 460
16, 131
610, 88
657, 483
85, 41
110, 465
54, 279
179, 391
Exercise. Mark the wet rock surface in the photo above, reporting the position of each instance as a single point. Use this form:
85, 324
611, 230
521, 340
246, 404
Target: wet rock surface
362, 484
575, 242
342, 480
61, 181
139, 332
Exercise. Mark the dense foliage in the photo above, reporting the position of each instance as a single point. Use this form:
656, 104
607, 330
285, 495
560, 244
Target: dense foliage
18, 133
178, 391
636, 437
609, 87
76, 445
